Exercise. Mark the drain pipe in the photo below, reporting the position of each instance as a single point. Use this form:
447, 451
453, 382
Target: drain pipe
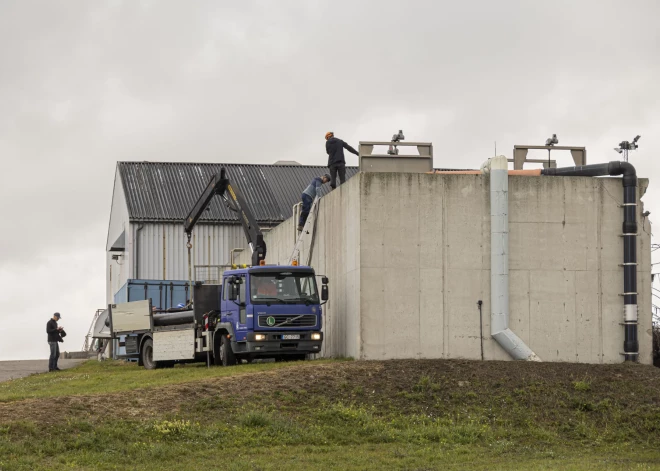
630, 343
136, 265
499, 261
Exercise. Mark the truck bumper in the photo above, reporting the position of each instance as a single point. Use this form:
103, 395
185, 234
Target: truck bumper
277, 343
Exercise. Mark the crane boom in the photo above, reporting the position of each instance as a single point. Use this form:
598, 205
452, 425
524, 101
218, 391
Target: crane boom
221, 186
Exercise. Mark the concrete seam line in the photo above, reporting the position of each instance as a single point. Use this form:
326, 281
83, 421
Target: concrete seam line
497, 167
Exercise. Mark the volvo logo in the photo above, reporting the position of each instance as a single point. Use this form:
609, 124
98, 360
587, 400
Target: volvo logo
270, 321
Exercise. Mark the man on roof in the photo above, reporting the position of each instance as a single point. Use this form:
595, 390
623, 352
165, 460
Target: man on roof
336, 162
308, 195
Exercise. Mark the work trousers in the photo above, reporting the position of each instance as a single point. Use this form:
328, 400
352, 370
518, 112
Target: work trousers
306, 206
54, 355
334, 170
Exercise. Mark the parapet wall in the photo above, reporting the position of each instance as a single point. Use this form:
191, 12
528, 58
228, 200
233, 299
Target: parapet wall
408, 257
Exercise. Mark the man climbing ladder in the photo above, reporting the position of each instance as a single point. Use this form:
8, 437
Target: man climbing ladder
308, 195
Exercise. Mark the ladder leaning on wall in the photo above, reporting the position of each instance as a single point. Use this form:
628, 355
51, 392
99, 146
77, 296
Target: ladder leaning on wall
306, 236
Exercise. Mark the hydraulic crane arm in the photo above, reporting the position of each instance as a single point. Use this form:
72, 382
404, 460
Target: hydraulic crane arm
220, 185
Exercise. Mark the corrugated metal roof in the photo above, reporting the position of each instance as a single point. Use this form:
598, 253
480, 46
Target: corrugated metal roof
166, 191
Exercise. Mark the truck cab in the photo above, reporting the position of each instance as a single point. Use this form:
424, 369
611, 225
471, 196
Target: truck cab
269, 312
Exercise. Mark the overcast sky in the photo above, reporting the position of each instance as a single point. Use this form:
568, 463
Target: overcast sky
84, 84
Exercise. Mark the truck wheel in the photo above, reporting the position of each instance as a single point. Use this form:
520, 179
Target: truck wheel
147, 355
217, 346
226, 353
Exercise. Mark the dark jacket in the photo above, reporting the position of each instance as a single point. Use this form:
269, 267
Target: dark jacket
335, 149
51, 330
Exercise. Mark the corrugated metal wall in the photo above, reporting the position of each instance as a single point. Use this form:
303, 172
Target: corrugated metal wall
164, 256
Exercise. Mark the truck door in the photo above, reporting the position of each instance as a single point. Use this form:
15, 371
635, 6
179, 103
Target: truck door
236, 314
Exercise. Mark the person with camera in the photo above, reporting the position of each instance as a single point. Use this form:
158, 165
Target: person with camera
55, 336
336, 162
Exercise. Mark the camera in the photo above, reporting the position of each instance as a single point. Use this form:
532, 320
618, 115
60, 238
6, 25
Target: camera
396, 138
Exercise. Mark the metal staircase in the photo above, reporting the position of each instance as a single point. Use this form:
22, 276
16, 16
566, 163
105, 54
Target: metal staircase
87, 345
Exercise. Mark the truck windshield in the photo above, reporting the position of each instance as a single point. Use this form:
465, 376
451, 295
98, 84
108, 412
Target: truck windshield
283, 288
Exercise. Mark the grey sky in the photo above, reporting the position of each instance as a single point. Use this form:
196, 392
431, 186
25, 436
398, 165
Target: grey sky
86, 83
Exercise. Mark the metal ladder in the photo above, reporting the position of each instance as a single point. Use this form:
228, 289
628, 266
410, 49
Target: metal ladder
307, 234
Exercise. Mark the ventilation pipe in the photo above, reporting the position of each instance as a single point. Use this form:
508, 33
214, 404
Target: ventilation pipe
499, 261
630, 343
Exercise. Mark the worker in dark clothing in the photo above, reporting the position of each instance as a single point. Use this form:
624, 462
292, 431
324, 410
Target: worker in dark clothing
308, 195
55, 335
336, 162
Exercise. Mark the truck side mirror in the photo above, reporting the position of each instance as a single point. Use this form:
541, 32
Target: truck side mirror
324, 293
325, 280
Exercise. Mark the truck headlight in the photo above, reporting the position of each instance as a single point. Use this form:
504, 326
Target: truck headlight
259, 337
316, 336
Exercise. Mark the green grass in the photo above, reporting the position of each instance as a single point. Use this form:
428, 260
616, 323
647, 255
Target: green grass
340, 417
94, 377
337, 437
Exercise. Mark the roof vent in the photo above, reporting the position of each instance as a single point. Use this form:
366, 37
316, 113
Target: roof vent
286, 162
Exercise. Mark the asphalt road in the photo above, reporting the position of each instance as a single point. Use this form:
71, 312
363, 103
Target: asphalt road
18, 369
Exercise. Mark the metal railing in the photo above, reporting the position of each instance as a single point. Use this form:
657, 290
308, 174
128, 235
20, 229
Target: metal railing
210, 274
87, 344
421, 162
579, 155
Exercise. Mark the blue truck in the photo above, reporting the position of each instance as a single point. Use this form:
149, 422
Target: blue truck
258, 311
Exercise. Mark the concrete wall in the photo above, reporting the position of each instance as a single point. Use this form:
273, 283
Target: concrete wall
336, 254
408, 256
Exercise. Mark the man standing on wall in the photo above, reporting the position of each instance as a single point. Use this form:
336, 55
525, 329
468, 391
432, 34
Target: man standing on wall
336, 162
54, 338
308, 196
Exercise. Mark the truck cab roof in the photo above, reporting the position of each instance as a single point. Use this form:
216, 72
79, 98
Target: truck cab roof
270, 269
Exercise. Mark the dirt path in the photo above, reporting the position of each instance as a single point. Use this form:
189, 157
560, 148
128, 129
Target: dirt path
18, 369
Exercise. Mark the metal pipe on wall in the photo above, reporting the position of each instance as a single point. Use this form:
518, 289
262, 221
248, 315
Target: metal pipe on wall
497, 167
630, 314
499, 262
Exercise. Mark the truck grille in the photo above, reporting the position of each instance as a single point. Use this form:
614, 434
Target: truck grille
287, 320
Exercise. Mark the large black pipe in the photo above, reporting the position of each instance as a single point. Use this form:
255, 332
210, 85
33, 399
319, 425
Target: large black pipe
173, 318
630, 343
168, 318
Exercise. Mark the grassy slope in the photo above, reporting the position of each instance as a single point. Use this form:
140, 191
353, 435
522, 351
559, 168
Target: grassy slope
413, 415
108, 377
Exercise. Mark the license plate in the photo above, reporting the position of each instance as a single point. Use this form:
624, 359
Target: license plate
290, 337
